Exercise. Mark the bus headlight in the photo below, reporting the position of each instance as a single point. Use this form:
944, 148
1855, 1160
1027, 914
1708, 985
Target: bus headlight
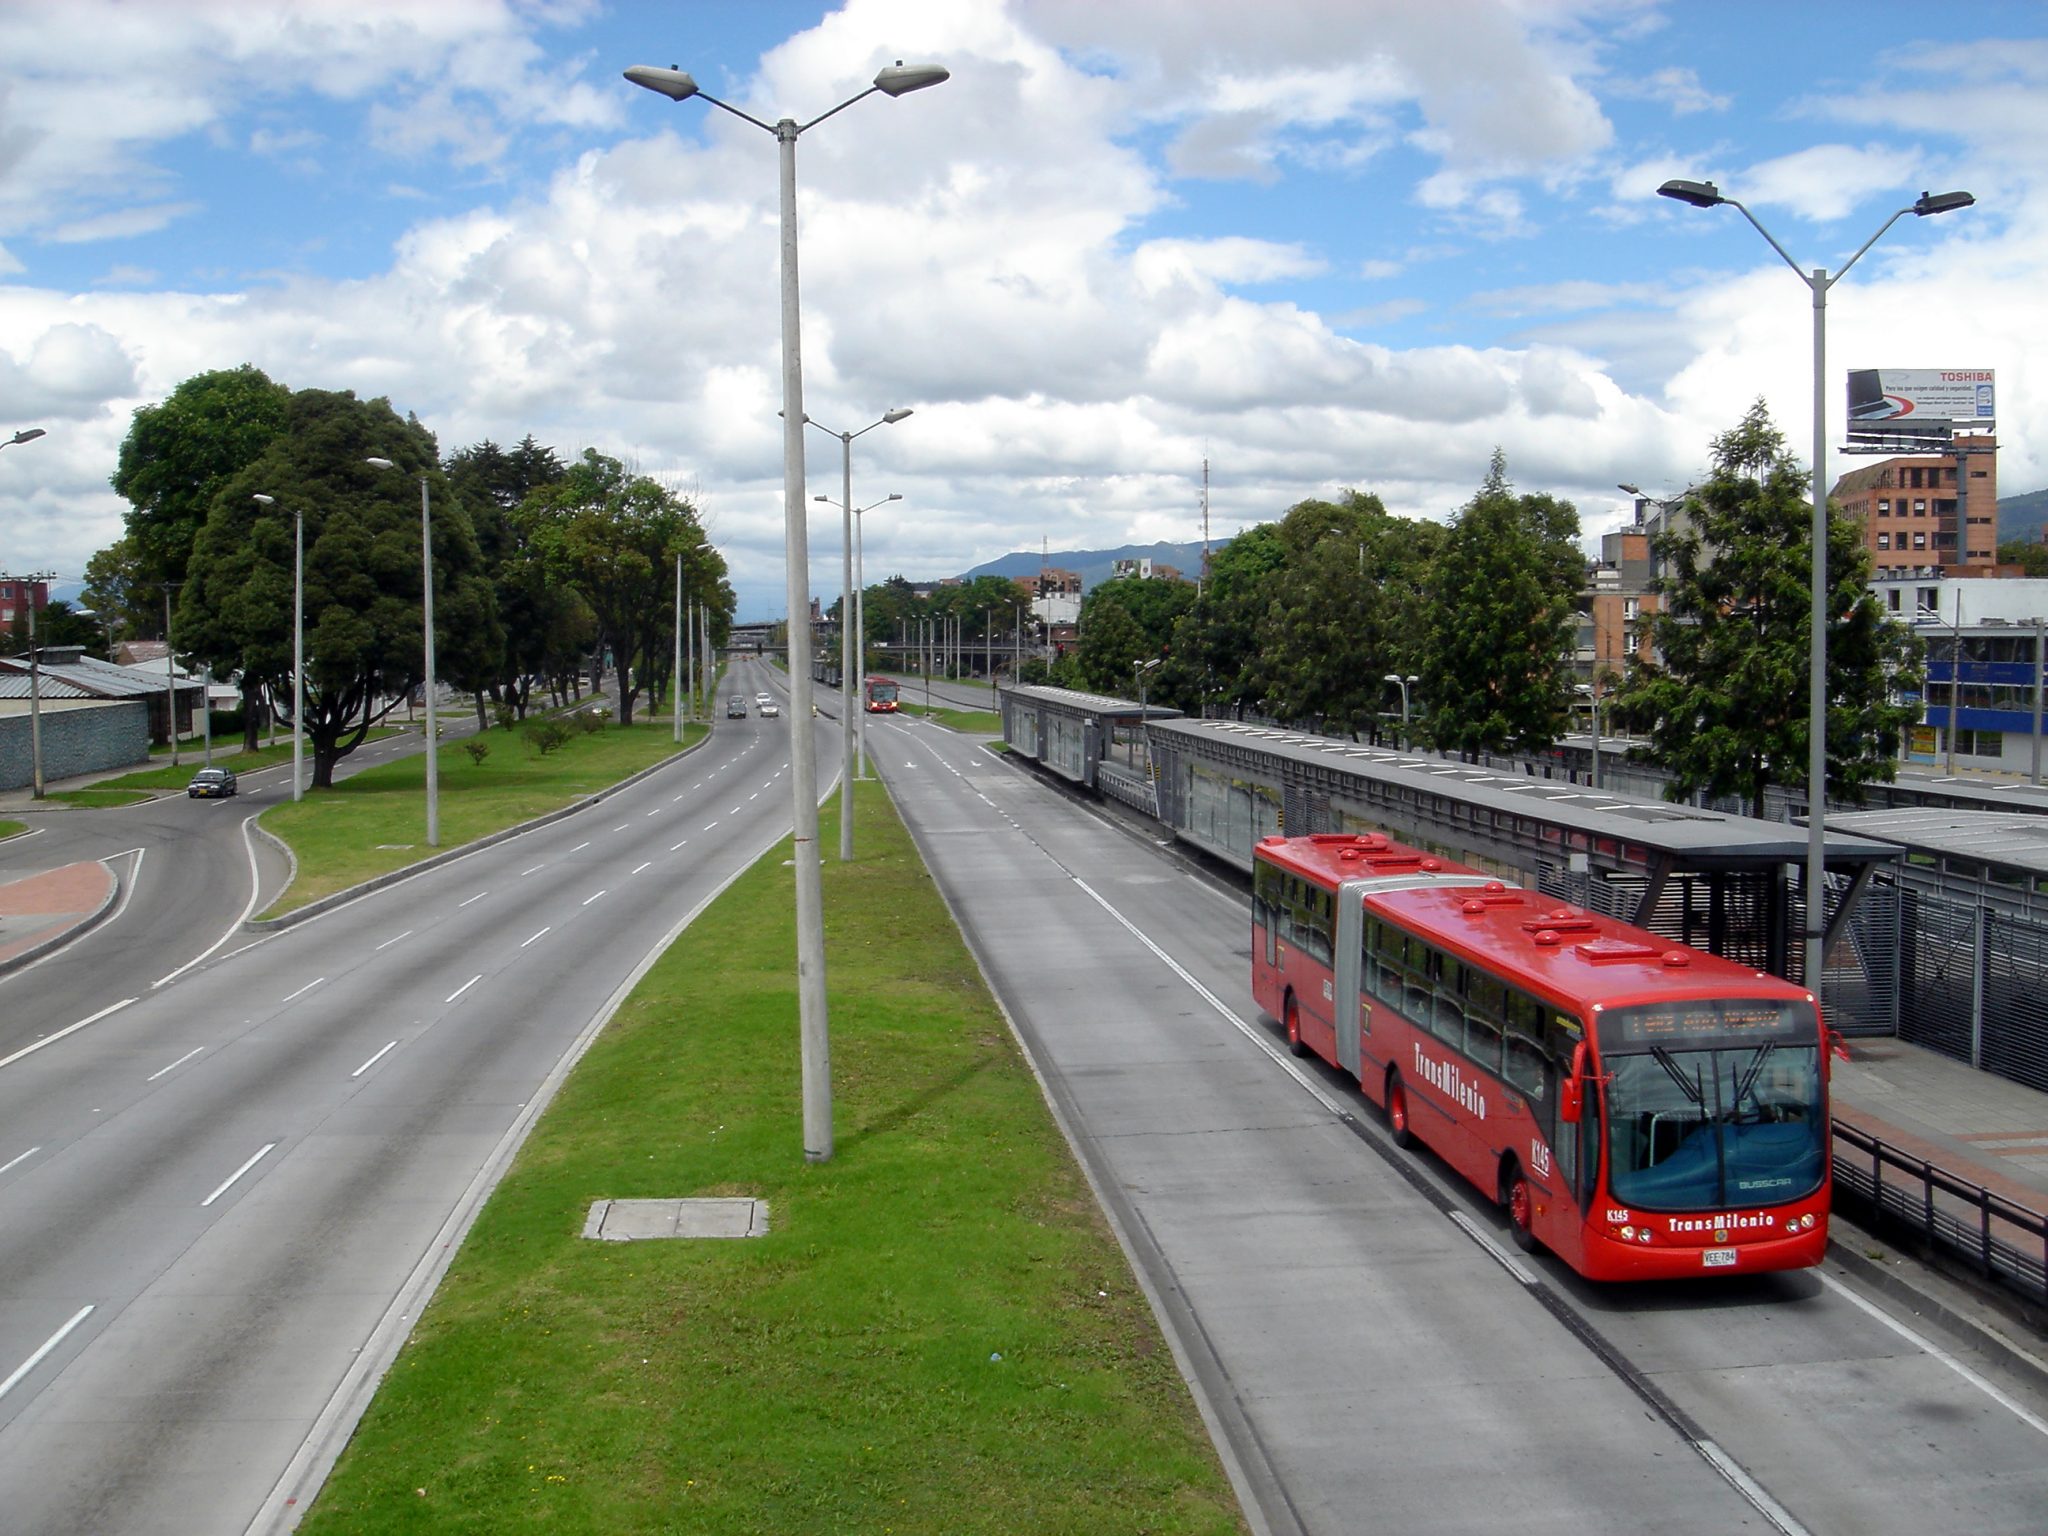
1628, 1234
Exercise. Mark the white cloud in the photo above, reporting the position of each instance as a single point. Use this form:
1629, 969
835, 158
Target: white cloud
1679, 89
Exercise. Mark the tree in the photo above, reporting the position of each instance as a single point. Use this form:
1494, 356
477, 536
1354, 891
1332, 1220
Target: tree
179, 453
1496, 672
548, 627
1127, 620
1722, 690
116, 592
365, 649
2030, 555
615, 536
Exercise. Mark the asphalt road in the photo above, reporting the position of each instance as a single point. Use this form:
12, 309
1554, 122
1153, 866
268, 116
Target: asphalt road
1370, 1353
222, 1203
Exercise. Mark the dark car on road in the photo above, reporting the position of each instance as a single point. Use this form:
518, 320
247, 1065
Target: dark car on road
211, 784
735, 708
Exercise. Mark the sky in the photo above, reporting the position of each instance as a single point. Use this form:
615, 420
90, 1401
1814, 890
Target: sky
1316, 244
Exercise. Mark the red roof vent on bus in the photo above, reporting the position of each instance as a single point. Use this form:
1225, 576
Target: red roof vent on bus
1598, 950
1546, 936
1563, 920
1677, 959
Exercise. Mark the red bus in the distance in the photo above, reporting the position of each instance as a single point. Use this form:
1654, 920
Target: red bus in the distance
880, 694
1643, 1110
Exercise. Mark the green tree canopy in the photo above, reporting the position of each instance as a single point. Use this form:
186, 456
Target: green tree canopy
116, 590
365, 645
1722, 688
1125, 621
179, 453
1496, 674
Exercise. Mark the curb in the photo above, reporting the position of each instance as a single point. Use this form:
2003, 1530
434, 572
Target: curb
326, 904
1905, 1280
64, 935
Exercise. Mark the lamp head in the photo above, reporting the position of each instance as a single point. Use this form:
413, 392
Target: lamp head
896, 80
1633, 490
265, 500
821, 498
1698, 194
892, 417
30, 434
897, 495
1941, 202
672, 83
378, 463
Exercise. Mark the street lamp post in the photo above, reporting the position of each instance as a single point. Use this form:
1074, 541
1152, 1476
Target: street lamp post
1922, 615
813, 1023
1704, 194
35, 697
853, 660
676, 669
847, 675
1402, 682
427, 686
298, 643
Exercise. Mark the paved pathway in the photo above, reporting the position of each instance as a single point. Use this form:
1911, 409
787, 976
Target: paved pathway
42, 909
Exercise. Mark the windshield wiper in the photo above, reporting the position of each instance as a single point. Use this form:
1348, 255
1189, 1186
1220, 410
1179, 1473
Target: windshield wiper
1689, 1087
1763, 1054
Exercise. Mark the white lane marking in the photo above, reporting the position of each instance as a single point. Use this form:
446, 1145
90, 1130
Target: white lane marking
463, 988
638, 867
227, 1184
479, 896
579, 847
49, 1344
255, 889
389, 942
525, 872
547, 930
655, 812
672, 799
707, 826
1501, 1256
309, 986
1750, 1489
734, 811
66, 1030
672, 847
31, 1152
173, 1066
359, 1071
622, 826
589, 899
2032, 1420
754, 796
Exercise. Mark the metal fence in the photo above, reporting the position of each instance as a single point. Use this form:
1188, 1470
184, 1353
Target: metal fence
1890, 1189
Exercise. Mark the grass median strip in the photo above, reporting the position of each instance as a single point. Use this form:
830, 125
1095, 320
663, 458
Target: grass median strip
938, 1333
376, 821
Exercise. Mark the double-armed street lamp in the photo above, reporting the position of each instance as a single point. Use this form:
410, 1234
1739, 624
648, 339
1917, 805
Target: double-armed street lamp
298, 643
853, 667
848, 677
813, 1023
1704, 194
1402, 682
427, 612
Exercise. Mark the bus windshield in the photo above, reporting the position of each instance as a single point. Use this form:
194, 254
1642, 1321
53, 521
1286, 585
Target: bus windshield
1706, 1121
881, 692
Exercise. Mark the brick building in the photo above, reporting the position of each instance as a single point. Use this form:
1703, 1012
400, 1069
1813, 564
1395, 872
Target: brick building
1938, 508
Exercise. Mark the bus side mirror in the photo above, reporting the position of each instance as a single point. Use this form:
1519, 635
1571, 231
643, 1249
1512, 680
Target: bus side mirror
1571, 1101
1838, 1045
1571, 1097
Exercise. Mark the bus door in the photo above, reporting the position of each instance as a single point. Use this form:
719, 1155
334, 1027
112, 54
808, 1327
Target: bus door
1347, 1006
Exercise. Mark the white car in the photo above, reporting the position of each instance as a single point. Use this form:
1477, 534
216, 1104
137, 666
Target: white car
769, 711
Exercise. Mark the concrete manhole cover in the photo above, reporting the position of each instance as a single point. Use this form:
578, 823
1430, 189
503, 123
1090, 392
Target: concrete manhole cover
628, 1221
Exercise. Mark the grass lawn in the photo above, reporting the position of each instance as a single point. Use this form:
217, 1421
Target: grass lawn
969, 722
12, 829
376, 821
939, 1333
101, 796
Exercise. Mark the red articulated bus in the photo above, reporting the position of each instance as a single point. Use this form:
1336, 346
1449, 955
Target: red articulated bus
881, 695
1643, 1110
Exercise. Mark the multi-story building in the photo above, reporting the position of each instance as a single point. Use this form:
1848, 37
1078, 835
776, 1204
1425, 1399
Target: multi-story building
1615, 607
16, 596
1987, 644
1938, 508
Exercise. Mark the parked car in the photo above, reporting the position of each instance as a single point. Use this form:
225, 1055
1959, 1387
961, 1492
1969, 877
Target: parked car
211, 784
735, 708
771, 711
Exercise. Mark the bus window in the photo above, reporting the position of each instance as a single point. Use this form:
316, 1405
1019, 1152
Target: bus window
1447, 1019
1525, 1066
1482, 1040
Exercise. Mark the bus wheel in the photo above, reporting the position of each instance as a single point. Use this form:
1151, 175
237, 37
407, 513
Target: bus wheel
1521, 1204
1294, 1028
1397, 1110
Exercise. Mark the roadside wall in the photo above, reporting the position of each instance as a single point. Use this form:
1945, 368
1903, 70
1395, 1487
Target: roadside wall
79, 736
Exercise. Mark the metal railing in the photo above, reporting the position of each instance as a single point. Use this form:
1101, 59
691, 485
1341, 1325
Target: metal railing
2004, 1242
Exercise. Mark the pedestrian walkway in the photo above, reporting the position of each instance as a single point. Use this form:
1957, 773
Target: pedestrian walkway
41, 910
1949, 1113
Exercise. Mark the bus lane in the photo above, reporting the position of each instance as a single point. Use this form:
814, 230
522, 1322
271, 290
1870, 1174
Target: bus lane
1359, 1357
1819, 1409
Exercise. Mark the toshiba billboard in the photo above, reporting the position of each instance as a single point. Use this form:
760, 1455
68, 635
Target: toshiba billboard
1919, 402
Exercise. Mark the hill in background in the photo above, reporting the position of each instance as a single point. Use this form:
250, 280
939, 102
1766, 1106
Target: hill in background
1095, 566
2023, 517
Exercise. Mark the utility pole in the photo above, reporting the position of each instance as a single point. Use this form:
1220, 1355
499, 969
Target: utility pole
29, 585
